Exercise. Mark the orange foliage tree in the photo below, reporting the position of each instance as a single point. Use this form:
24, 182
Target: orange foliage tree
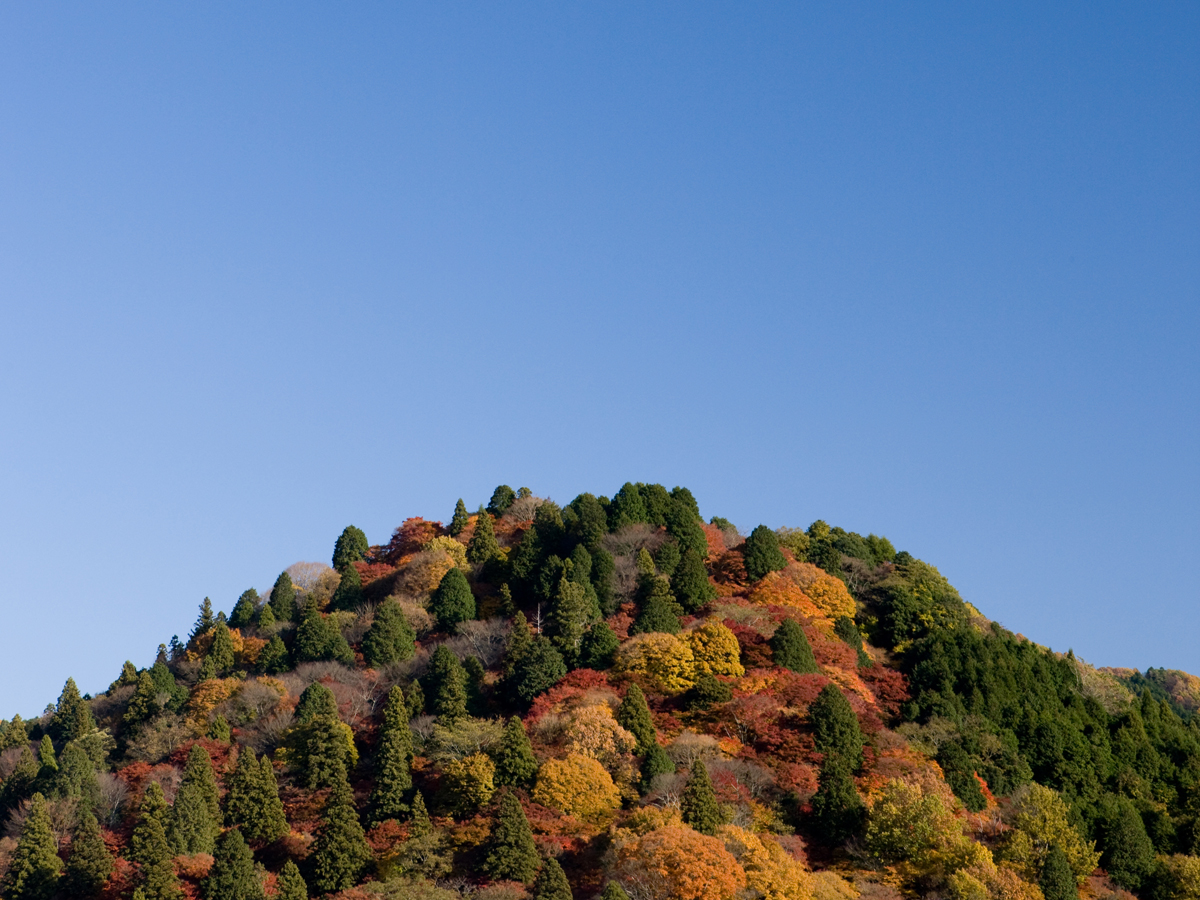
577, 785
676, 863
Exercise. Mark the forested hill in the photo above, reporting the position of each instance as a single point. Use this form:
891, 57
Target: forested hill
616, 699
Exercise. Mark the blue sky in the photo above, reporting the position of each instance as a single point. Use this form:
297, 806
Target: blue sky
929, 271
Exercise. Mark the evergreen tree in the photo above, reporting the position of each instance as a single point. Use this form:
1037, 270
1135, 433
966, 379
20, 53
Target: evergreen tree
72, 716
47, 762
690, 583
644, 563
845, 628
836, 805
270, 824
390, 638
244, 610
266, 617
318, 638
707, 691
511, 854
219, 730
241, 807
340, 852
684, 524
129, 675
516, 765
232, 876
414, 699
626, 508
614, 891
699, 802
655, 762
520, 638
320, 738
667, 558
21, 781
539, 669
34, 870
290, 885
569, 616
460, 519
221, 650
90, 863
446, 686
634, 716
452, 602
143, 704
835, 727
283, 598
1128, 854
552, 883
1058, 881
15, 734
349, 593
77, 776
659, 611
502, 499
252, 803
273, 660
598, 648
483, 546
393, 761
762, 553
476, 684
195, 817
421, 825
507, 608
349, 548
152, 811
791, 650
164, 683
155, 856
604, 569
205, 621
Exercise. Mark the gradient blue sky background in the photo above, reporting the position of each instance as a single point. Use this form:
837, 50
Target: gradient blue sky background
929, 271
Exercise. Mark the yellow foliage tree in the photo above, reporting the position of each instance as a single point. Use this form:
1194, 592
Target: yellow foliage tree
1039, 822
468, 783
207, 695
593, 731
988, 881
665, 661
423, 572
715, 650
678, 863
771, 873
577, 785
1180, 876
452, 548
830, 594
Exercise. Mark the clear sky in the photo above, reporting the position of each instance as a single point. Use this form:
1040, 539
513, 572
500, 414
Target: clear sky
924, 270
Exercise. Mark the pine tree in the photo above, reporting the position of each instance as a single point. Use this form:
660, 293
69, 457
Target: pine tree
614, 891
340, 852
519, 640
273, 659
452, 601
483, 546
232, 876
511, 853
283, 598
150, 848
634, 716
205, 621
393, 761
34, 870
221, 650
90, 863
390, 638
569, 616
240, 800
762, 554
21, 780
598, 648
655, 762
349, 593
659, 611
791, 650
265, 618
507, 608
72, 716
446, 686
219, 730
540, 668
1058, 881
459, 520
290, 885
516, 765
836, 805
152, 810
690, 584
15, 735
552, 883
421, 825
350, 547
195, 817
253, 803
244, 610
835, 727
143, 704
699, 802
502, 498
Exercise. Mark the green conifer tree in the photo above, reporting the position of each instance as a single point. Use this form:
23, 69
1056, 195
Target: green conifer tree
483, 546
667, 558
72, 716
205, 621
77, 776
634, 716
421, 825
47, 762
690, 584
476, 686
317, 638
283, 598
34, 870
446, 686
129, 675
598, 648
502, 498
350, 547
90, 863
604, 569
143, 705
274, 660
762, 554
552, 883
452, 601
21, 781
569, 616
836, 806
340, 853
265, 618
390, 638
290, 885
659, 611
655, 762
614, 891
270, 824
15, 734
221, 650
244, 610
150, 848
319, 738
414, 699
519, 640
241, 807
644, 563
152, 810
1128, 854
195, 817
232, 876
1057, 880
393, 761
791, 650
349, 592
707, 691
540, 668
507, 608
516, 765
220, 730
511, 853
459, 520
699, 802
835, 727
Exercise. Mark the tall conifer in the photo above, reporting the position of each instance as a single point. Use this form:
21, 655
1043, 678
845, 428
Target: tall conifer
283, 598
452, 601
34, 870
244, 610
483, 546
390, 638
791, 650
340, 852
516, 765
195, 817
446, 686
232, 876
90, 863
634, 716
552, 883
459, 520
393, 761
699, 801
511, 852
290, 885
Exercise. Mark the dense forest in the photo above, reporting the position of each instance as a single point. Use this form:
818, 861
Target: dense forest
613, 699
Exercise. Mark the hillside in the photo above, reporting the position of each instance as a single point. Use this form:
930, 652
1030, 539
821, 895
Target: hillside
613, 698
